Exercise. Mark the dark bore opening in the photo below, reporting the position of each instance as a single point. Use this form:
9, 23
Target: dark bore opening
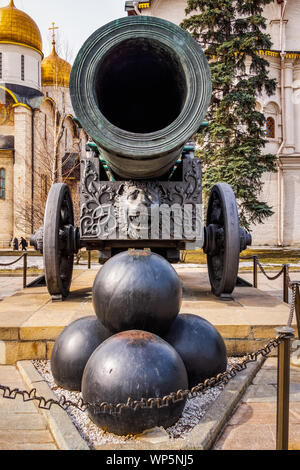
141, 86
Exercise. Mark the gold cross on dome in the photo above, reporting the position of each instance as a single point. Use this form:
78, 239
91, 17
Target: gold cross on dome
53, 32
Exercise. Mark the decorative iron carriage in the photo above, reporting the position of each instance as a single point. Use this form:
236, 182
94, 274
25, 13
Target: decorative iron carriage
140, 87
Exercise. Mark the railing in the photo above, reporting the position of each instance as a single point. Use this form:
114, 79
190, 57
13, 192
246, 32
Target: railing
283, 271
283, 365
25, 255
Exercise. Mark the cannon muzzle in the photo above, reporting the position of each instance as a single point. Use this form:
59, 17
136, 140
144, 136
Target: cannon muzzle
140, 87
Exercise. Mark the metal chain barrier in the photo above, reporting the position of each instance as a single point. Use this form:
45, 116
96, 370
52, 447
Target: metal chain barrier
15, 261
24, 255
174, 397
281, 342
293, 286
271, 278
255, 258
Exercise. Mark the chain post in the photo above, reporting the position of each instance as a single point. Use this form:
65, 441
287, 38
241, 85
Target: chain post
89, 259
283, 388
24, 270
255, 271
286, 283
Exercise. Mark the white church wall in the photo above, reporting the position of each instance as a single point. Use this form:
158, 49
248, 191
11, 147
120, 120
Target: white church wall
6, 204
11, 65
22, 171
174, 10
292, 15
171, 10
61, 96
272, 12
296, 103
291, 201
266, 234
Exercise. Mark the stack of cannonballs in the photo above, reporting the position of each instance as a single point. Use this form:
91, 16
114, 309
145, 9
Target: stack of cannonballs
137, 346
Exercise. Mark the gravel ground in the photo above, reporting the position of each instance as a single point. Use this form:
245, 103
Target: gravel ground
194, 411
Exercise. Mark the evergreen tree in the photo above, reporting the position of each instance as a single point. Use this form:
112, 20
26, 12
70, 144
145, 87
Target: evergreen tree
231, 32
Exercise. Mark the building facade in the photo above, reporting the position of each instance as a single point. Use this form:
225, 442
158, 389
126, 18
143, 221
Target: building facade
40, 141
282, 112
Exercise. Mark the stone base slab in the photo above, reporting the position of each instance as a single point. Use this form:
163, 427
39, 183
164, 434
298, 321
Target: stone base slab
30, 322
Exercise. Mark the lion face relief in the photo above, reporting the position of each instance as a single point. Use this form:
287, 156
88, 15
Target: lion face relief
132, 207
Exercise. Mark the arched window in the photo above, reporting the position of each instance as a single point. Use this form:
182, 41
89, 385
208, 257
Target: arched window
2, 183
22, 67
270, 128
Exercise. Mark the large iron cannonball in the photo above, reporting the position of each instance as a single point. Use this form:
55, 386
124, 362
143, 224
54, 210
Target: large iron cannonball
139, 290
73, 348
133, 364
200, 346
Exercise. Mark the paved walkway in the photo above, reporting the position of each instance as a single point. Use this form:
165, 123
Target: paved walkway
253, 425
11, 284
22, 427
274, 288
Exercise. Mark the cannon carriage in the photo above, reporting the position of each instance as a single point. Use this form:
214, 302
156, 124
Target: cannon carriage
140, 87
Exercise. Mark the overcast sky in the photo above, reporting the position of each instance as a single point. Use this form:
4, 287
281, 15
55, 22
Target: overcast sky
77, 19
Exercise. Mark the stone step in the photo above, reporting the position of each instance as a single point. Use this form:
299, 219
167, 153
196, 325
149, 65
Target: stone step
30, 322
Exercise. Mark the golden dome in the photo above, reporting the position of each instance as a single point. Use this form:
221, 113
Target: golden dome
17, 27
55, 71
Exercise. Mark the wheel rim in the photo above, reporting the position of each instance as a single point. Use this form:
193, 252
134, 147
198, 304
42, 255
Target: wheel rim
58, 259
223, 262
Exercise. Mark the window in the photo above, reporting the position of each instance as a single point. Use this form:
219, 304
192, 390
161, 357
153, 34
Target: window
0, 65
22, 67
2, 183
270, 128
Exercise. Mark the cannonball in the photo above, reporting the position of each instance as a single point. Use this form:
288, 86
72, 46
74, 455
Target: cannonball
200, 346
133, 364
137, 290
73, 348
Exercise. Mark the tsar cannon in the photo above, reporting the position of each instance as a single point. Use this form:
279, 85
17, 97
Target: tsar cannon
140, 87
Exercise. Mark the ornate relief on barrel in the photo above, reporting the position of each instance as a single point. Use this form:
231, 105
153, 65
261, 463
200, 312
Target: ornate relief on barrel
138, 209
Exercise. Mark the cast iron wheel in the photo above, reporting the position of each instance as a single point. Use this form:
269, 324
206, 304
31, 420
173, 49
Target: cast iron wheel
59, 244
222, 245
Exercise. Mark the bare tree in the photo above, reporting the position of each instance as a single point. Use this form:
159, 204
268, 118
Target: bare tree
53, 163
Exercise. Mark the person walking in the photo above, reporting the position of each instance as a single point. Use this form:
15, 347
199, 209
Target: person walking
24, 244
15, 244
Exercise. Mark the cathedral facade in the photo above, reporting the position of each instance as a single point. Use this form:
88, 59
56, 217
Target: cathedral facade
40, 140
282, 112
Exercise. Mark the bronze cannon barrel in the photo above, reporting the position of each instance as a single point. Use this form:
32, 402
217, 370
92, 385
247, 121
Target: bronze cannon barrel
140, 87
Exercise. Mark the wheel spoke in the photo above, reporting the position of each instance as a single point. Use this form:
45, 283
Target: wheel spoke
223, 252
58, 261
